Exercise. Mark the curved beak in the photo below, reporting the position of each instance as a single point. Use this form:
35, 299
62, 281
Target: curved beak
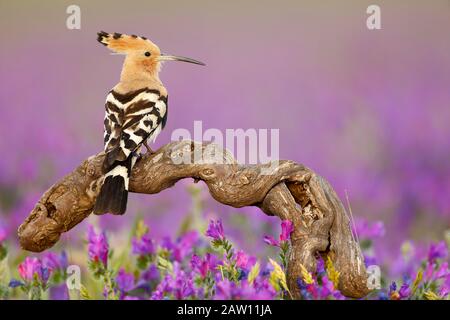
164, 57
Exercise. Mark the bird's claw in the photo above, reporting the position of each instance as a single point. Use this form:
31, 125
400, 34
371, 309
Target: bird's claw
149, 150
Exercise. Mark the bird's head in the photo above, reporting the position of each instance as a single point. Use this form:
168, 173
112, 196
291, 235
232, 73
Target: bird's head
142, 55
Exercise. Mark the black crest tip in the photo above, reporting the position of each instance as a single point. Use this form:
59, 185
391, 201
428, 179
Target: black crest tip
101, 36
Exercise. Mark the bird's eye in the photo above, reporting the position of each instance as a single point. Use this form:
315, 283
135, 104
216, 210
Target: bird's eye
147, 54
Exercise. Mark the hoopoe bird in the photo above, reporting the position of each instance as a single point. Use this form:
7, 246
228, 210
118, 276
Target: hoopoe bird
136, 112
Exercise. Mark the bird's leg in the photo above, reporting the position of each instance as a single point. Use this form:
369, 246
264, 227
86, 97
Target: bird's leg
149, 150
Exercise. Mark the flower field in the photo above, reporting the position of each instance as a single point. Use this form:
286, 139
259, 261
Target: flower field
207, 265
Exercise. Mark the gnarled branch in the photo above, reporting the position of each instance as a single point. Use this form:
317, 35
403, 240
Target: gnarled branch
287, 190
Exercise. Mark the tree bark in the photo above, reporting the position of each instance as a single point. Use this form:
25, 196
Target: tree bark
285, 189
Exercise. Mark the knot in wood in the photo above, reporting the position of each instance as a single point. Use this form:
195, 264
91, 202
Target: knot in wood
207, 173
90, 170
244, 179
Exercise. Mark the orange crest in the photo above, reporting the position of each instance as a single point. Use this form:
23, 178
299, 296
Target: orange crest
126, 44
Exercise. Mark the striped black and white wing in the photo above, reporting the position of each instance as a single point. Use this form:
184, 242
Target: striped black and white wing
112, 124
131, 119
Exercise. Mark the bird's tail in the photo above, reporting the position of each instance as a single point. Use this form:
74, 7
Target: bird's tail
114, 192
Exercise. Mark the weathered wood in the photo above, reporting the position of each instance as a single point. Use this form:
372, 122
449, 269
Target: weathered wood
287, 190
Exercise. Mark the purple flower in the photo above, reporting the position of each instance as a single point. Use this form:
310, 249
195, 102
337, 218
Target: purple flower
369, 260
328, 290
63, 260
437, 251
51, 260
445, 288
98, 246
263, 286
179, 283
182, 247
228, 290
14, 283
55, 262
199, 265
443, 292
442, 272
167, 243
392, 287
151, 274
366, 230
202, 266
215, 230
157, 295
224, 290
320, 265
143, 246
125, 281
184, 286
286, 229
164, 287
59, 292
404, 291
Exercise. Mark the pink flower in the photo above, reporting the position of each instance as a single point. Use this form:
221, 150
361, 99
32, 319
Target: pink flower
241, 259
98, 246
31, 268
286, 229
271, 241
244, 261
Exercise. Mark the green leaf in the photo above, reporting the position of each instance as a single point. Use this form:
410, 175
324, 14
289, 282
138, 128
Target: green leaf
277, 277
254, 272
430, 295
84, 293
165, 265
417, 281
141, 229
217, 244
3, 252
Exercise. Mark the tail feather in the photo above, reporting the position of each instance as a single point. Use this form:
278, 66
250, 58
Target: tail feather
113, 195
